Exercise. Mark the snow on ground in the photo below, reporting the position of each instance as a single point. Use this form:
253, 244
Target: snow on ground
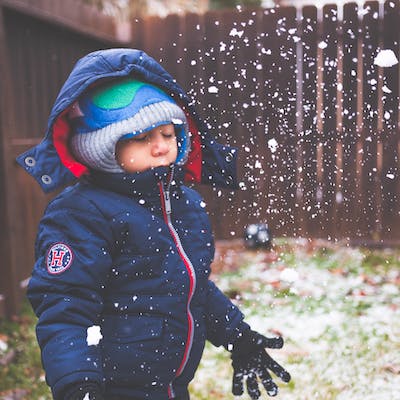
338, 310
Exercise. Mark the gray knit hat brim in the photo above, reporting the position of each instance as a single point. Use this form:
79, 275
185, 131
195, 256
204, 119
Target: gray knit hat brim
97, 149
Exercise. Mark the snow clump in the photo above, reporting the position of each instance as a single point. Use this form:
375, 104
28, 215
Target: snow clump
93, 335
386, 58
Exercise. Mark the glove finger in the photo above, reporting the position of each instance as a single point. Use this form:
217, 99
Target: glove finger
277, 369
237, 384
252, 386
271, 343
260, 340
269, 384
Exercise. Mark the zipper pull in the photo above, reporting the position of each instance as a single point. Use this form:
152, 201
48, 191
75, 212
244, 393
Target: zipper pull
167, 202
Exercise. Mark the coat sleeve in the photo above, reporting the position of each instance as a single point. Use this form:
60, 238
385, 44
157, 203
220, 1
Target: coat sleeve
66, 290
224, 320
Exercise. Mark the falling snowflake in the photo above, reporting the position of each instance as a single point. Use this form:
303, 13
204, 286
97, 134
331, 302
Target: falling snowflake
235, 32
212, 89
322, 45
272, 145
386, 89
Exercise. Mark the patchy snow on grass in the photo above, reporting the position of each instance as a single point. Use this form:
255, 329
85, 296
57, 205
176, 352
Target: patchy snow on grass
337, 309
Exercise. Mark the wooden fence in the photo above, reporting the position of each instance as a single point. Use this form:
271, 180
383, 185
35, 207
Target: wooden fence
316, 121
39, 43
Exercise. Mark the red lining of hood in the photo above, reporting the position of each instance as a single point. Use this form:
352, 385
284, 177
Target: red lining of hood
61, 133
193, 164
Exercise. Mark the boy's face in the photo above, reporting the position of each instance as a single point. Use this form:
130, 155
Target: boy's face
155, 148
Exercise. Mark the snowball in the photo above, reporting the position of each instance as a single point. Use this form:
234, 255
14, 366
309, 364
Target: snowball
386, 58
212, 89
93, 335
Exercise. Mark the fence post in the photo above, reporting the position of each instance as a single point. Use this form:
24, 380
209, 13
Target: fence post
370, 207
390, 132
349, 199
329, 130
9, 285
309, 131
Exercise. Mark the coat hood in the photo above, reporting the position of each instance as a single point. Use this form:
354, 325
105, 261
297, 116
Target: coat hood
52, 164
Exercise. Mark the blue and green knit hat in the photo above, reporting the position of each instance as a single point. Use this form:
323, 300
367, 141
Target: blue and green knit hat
120, 110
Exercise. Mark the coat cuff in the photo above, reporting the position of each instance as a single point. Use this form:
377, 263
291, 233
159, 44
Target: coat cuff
63, 385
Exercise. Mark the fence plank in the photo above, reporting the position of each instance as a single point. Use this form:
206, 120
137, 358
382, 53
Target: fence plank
280, 84
329, 130
390, 135
309, 143
233, 54
349, 195
194, 80
9, 268
209, 106
370, 207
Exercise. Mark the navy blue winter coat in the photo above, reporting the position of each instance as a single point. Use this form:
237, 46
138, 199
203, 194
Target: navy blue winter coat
130, 253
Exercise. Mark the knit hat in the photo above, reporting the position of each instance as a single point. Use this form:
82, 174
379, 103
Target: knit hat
120, 110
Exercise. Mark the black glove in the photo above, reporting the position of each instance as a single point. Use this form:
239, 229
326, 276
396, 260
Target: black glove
249, 360
78, 391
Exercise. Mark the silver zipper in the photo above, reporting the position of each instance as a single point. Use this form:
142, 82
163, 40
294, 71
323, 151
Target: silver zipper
191, 271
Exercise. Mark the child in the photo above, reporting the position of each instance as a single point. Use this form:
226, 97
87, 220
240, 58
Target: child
128, 249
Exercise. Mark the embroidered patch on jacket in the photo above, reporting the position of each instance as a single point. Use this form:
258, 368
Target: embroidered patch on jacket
59, 258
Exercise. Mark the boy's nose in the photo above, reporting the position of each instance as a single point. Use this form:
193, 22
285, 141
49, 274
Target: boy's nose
159, 147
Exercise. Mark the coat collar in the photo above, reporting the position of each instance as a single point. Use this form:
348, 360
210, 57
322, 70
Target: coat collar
141, 184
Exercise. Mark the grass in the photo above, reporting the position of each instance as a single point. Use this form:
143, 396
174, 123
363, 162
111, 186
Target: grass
337, 308
23, 377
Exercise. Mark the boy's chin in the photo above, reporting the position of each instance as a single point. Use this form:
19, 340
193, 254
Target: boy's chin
163, 164
151, 168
